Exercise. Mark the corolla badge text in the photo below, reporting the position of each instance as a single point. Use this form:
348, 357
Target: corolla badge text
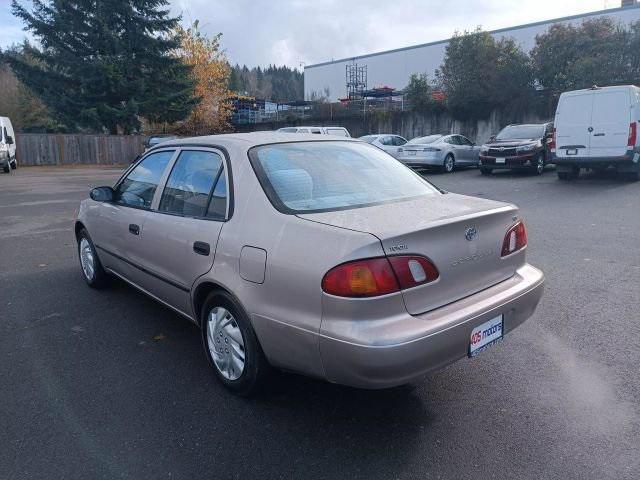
471, 258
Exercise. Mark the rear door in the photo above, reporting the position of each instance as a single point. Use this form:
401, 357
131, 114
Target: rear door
610, 122
181, 232
573, 121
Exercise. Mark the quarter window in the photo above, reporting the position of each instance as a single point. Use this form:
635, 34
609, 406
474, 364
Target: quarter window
190, 183
138, 188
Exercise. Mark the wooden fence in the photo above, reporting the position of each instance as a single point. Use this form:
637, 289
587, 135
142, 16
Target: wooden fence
77, 149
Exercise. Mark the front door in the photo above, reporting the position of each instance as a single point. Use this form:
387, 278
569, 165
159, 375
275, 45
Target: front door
122, 221
181, 232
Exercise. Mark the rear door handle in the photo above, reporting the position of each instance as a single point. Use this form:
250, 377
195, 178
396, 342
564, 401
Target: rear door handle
598, 134
202, 248
135, 229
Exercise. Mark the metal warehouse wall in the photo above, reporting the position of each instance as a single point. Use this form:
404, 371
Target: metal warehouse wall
393, 68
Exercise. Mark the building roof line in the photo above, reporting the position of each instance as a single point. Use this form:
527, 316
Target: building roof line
499, 30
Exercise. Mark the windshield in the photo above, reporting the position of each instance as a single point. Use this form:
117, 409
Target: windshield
368, 138
514, 132
323, 176
427, 139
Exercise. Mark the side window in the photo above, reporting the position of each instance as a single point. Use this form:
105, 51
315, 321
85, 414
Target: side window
465, 141
303, 130
399, 141
138, 188
316, 131
386, 141
190, 183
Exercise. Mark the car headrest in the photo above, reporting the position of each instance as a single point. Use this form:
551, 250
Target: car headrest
292, 185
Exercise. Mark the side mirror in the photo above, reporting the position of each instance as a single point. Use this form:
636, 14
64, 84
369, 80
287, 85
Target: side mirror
492, 138
9, 140
102, 194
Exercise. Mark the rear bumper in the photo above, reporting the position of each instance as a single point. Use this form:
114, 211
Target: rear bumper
441, 337
421, 161
630, 159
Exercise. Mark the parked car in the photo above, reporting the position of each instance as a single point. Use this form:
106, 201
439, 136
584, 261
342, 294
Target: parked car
8, 158
441, 151
387, 142
597, 128
338, 131
153, 140
518, 147
319, 255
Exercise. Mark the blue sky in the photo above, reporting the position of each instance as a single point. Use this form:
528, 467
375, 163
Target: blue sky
291, 32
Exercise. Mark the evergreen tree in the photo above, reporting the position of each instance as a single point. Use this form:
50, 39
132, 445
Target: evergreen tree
103, 64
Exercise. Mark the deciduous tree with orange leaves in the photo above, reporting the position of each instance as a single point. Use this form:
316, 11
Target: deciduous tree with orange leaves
210, 71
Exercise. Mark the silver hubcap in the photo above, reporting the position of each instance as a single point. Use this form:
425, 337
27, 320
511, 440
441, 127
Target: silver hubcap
86, 259
448, 164
225, 342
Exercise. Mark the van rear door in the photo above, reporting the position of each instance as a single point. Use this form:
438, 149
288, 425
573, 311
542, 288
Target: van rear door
572, 123
610, 122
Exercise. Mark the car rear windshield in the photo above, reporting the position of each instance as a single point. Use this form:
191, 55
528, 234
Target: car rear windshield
427, 139
307, 177
517, 132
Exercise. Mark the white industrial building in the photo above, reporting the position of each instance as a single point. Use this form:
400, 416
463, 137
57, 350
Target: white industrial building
394, 67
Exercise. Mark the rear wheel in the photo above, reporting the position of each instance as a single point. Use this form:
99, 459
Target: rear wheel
7, 168
14, 164
572, 174
486, 170
449, 163
231, 345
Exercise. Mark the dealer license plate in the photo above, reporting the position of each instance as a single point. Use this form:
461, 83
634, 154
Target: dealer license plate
572, 151
500, 160
485, 335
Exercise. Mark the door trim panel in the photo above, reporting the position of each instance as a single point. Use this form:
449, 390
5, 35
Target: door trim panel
173, 283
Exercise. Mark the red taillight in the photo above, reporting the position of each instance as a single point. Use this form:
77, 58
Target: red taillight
515, 239
412, 271
633, 132
378, 276
552, 145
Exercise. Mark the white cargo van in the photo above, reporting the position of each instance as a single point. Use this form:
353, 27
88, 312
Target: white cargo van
597, 128
8, 159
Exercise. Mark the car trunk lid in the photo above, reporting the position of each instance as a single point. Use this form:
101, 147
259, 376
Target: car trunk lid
461, 235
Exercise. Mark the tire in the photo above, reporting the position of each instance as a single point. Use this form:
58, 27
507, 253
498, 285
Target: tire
7, 168
486, 170
571, 175
631, 176
538, 168
90, 265
14, 164
449, 163
231, 346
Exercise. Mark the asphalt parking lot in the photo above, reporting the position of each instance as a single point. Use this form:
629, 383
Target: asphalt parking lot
109, 384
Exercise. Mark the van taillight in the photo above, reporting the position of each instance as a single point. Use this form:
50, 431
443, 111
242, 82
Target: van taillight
378, 276
552, 145
633, 133
515, 239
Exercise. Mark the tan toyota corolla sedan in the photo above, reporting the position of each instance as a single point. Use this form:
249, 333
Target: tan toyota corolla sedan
322, 256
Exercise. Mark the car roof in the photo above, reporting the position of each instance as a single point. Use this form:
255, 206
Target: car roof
249, 140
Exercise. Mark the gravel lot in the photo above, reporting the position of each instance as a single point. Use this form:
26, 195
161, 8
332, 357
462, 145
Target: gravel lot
111, 385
